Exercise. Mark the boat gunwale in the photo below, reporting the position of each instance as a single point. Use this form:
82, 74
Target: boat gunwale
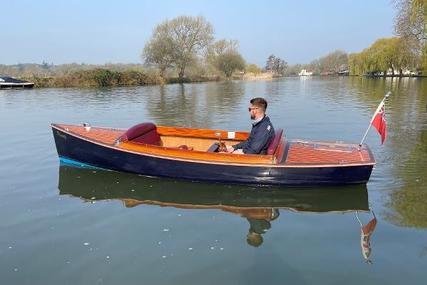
62, 128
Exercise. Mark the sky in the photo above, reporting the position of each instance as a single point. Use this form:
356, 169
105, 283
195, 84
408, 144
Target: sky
98, 32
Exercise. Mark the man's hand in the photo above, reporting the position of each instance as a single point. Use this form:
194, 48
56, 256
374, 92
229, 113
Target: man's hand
230, 149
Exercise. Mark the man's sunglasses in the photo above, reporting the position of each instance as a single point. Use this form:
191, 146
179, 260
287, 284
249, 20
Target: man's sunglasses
250, 109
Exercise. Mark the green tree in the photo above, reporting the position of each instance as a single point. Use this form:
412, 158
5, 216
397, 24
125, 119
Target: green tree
225, 57
253, 68
384, 54
229, 62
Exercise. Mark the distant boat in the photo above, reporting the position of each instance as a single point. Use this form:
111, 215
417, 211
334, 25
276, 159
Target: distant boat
305, 73
10, 82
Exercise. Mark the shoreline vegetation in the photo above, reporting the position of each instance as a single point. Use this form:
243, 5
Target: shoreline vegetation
110, 75
184, 50
116, 75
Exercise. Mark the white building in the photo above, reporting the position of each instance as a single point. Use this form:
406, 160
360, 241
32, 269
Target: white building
305, 73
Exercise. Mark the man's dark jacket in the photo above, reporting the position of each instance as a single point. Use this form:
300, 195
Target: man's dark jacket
262, 134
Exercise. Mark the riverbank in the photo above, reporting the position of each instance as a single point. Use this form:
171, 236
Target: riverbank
103, 77
110, 78
106, 75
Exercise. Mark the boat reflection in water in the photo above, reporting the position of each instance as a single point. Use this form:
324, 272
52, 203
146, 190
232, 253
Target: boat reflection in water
260, 206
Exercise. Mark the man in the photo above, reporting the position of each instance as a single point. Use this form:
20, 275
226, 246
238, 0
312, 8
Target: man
262, 132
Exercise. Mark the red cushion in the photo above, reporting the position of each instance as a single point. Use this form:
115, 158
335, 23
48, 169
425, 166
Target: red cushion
142, 133
275, 142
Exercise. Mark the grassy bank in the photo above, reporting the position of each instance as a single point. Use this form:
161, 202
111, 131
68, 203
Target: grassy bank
109, 75
110, 78
96, 78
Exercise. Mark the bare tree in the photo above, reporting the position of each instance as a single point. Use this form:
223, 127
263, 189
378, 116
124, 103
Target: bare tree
410, 20
276, 65
160, 49
220, 47
178, 42
190, 35
411, 25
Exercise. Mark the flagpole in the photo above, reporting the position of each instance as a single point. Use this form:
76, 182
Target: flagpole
373, 116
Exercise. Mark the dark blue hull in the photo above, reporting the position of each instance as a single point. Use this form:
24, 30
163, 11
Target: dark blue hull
77, 149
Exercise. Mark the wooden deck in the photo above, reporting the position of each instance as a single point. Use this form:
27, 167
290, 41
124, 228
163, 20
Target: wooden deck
328, 153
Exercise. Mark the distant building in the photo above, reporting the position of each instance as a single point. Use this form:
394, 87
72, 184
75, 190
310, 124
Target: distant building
305, 73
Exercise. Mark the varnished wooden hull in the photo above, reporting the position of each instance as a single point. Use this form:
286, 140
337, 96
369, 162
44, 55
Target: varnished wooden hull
75, 147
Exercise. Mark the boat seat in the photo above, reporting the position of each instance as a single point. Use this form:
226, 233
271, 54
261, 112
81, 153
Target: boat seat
142, 133
275, 142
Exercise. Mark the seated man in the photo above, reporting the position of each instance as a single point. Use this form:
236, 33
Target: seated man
262, 132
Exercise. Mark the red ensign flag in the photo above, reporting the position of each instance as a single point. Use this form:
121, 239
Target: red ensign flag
379, 121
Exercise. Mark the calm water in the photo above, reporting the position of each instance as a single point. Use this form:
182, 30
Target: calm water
63, 225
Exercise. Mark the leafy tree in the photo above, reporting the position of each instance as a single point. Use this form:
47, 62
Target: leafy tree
253, 68
224, 56
229, 62
384, 54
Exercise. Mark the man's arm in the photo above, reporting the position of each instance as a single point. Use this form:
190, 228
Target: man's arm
258, 142
241, 145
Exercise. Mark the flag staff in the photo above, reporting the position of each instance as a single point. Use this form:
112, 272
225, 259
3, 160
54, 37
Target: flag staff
370, 124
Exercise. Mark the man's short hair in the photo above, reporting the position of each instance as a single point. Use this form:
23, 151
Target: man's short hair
260, 103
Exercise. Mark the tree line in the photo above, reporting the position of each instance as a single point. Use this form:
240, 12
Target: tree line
188, 42
182, 49
405, 52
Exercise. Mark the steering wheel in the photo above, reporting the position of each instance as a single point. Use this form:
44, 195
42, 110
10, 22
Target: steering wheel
221, 145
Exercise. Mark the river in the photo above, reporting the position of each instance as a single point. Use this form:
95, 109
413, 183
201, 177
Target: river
65, 225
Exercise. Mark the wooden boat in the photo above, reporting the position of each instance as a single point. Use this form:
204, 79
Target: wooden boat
133, 190
192, 154
10, 82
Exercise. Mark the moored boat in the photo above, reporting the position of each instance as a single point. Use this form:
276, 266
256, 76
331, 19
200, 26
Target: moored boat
192, 154
10, 82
